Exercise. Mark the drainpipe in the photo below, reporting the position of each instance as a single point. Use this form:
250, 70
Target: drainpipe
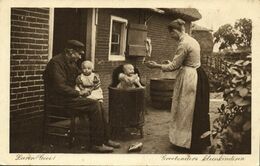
92, 20
51, 27
94, 31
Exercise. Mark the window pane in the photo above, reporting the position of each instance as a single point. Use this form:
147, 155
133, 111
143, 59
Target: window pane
116, 38
115, 49
117, 27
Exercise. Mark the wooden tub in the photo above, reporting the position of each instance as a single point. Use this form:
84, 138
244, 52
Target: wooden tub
161, 90
126, 108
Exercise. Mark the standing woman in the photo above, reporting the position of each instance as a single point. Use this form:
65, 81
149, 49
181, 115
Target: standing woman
190, 101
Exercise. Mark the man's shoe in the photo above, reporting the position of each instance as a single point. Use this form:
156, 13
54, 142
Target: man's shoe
102, 149
113, 144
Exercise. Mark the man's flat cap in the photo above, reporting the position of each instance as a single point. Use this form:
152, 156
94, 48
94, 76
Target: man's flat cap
76, 45
176, 24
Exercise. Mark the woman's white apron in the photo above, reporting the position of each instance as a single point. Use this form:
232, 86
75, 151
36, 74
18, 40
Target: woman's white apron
183, 102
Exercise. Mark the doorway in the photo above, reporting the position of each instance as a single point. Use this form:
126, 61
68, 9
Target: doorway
69, 23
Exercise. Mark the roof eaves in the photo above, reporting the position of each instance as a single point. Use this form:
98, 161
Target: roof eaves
187, 14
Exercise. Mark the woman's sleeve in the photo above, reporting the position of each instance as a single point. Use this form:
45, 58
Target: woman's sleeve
177, 60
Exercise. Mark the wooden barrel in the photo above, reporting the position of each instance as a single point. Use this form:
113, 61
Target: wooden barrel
161, 91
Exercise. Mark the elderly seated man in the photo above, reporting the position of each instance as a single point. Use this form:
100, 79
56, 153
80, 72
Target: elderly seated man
60, 75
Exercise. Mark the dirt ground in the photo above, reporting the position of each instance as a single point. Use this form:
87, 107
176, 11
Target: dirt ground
155, 140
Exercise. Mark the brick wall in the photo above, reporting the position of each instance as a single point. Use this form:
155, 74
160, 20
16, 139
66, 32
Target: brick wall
29, 56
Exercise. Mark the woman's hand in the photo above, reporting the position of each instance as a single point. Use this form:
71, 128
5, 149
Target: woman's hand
152, 64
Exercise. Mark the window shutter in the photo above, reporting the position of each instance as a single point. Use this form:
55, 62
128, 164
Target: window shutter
137, 34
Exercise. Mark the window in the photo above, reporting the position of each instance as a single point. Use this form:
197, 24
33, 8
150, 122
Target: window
117, 42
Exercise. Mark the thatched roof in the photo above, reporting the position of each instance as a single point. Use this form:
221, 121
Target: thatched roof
187, 14
196, 27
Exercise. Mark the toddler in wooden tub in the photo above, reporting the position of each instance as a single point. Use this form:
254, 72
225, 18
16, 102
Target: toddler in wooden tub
129, 79
126, 100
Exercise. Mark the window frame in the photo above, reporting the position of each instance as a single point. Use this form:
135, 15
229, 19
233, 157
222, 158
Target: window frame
120, 57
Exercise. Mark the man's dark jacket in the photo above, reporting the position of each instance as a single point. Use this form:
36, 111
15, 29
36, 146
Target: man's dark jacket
59, 79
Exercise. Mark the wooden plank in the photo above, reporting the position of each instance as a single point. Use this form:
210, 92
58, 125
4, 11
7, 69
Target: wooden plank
136, 50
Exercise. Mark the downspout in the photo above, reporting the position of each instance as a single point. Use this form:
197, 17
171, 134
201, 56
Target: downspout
51, 26
93, 32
